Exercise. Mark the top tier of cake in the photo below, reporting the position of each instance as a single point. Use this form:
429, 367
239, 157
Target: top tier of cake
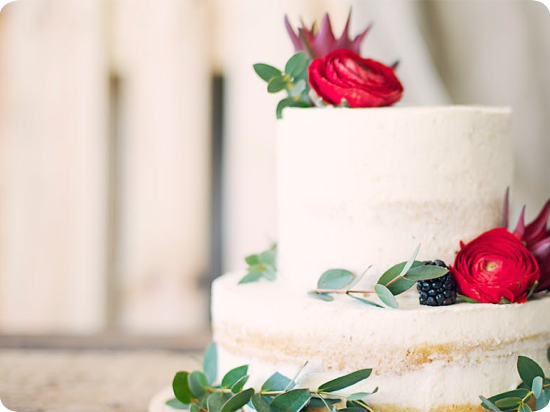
360, 187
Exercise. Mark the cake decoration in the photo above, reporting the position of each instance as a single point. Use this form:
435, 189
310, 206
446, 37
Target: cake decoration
199, 391
440, 291
261, 266
327, 71
496, 268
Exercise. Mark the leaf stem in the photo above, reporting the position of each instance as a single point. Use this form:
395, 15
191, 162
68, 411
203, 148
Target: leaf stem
344, 291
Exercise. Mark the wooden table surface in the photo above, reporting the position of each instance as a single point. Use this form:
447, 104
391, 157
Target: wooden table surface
88, 376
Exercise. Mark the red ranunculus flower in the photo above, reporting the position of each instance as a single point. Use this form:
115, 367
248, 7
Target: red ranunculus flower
343, 74
495, 267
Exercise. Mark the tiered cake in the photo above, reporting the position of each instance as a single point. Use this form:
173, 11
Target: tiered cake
360, 187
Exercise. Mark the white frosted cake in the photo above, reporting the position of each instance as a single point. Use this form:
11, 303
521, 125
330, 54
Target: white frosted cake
361, 187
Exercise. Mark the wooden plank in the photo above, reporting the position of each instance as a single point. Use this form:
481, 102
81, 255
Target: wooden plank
52, 196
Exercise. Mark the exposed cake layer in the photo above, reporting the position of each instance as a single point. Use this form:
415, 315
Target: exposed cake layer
366, 186
424, 359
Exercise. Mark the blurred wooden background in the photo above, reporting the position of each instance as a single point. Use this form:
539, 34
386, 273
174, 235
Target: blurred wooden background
122, 191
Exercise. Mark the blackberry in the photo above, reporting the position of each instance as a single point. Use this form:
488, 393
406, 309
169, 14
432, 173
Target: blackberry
437, 292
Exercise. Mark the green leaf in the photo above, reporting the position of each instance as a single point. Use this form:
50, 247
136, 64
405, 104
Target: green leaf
296, 64
516, 393
321, 296
508, 403
215, 401
335, 279
194, 408
532, 290
544, 400
410, 262
528, 370
386, 296
360, 395
524, 408
487, 404
277, 84
548, 353
537, 387
252, 260
317, 402
394, 272
365, 301
466, 299
259, 403
426, 272
265, 71
297, 88
400, 285
269, 273
239, 385
357, 279
210, 362
291, 401
237, 401
174, 403
286, 102
276, 383
180, 385
198, 382
345, 381
233, 376
251, 277
269, 257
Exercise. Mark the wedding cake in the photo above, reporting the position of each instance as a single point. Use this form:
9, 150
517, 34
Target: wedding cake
360, 187
395, 285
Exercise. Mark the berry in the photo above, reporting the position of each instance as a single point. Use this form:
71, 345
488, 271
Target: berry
437, 292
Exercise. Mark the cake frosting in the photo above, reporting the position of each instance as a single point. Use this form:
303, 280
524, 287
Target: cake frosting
365, 186
424, 359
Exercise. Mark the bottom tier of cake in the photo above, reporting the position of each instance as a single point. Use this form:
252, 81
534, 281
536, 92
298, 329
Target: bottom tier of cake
423, 359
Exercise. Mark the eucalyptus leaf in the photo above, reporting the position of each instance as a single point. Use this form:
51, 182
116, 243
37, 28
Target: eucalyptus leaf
286, 102
365, 301
400, 285
210, 363
345, 381
215, 401
524, 408
269, 273
335, 279
426, 272
487, 404
519, 393
317, 402
537, 387
174, 403
251, 277
237, 401
259, 403
277, 84
269, 257
543, 400
198, 382
385, 295
252, 260
528, 370
353, 409
394, 272
357, 279
233, 376
239, 385
180, 385
265, 71
296, 64
321, 296
360, 395
194, 408
291, 401
508, 403
298, 88
275, 383
410, 262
